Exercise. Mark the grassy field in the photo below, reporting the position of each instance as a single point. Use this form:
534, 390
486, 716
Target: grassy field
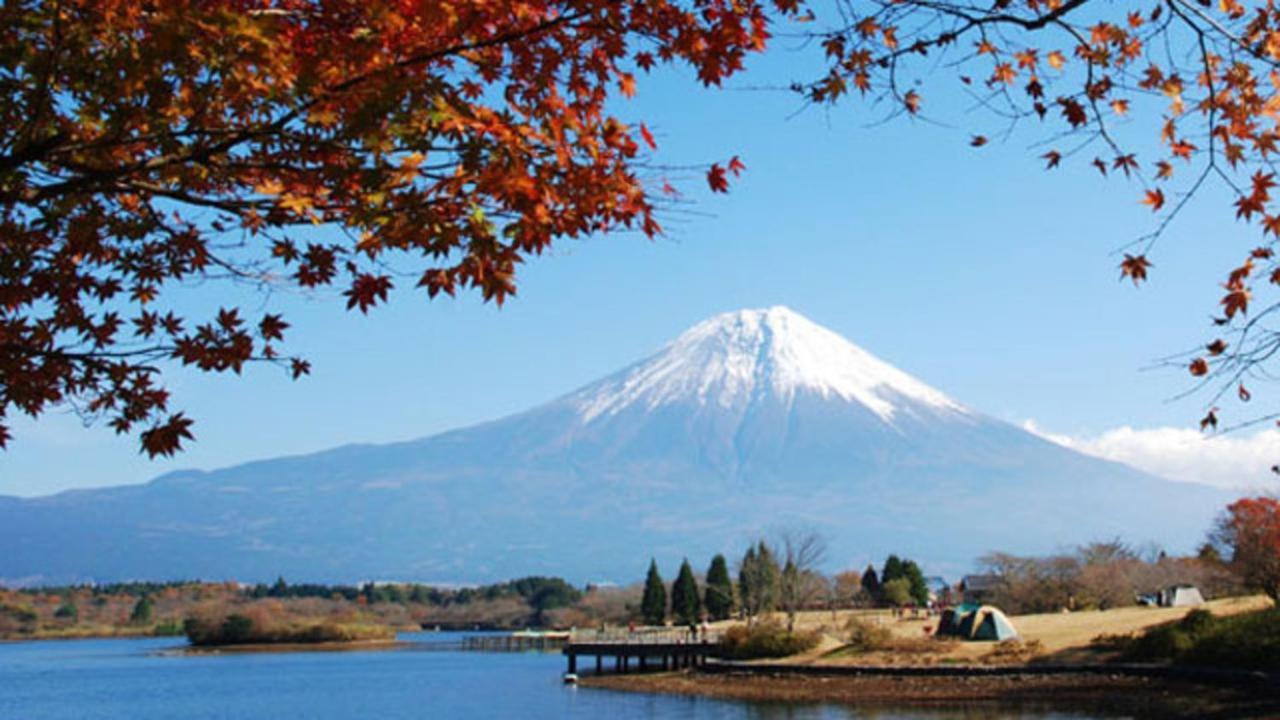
1060, 637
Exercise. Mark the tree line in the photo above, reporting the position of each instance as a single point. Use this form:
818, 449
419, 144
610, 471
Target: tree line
782, 577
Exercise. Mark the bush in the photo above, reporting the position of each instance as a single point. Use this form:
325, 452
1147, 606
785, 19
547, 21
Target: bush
765, 640
1250, 641
865, 636
1161, 643
259, 623
1197, 622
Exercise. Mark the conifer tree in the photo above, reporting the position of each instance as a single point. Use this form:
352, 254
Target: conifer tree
142, 610
892, 569
653, 606
919, 589
871, 584
719, 592
746, 586
686, 607
770, 577
759, 580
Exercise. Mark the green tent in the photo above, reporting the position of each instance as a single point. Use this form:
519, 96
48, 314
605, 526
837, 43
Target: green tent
976, 622
950, 622
995, 626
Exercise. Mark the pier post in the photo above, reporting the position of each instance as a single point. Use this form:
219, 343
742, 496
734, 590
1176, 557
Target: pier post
573, 664
599, 664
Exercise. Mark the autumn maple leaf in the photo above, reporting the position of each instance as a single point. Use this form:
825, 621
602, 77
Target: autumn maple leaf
1134, 266
717, 179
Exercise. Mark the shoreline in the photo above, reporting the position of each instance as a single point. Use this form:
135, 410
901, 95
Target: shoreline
1097, 692
294, 647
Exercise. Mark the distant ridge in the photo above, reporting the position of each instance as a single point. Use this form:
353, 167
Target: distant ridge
749, 422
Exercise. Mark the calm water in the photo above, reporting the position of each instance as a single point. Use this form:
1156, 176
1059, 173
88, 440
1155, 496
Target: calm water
134, 679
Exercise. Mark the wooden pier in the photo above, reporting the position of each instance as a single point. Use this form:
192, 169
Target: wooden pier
517, 642
662, 650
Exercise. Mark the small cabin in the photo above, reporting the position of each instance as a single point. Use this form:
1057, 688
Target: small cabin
978, 589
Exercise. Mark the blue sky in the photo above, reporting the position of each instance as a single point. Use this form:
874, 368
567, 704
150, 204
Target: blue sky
973, 269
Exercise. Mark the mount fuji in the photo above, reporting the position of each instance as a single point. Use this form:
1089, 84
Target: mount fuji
749, 423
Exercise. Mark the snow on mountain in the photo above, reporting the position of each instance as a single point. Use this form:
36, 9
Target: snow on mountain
748, 423
733, 358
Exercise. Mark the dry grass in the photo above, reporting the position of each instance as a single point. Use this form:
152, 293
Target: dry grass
1064, 637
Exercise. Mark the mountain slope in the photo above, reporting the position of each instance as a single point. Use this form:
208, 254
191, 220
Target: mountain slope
749, 422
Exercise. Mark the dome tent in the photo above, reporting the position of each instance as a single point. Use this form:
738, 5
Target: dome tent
976, 622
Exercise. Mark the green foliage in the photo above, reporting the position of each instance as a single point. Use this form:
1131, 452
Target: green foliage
871, 583
759, 580
237, 629
893, 569
896, 591
919, 589
1161, 643
545, 593
1248, 641
67, 611
896, 568
685, 604
719, 591
865, 636
653, 606
765, 640
142, 610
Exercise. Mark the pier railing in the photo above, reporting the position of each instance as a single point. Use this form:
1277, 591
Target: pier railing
643, 636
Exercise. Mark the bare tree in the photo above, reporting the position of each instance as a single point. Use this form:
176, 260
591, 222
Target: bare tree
801, 584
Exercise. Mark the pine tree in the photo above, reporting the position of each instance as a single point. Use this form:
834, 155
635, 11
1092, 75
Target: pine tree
142, 610
685, 605
759, 580
892, 569
653, 606
746, 581
770, 577
871, 584
919, 589
719, 592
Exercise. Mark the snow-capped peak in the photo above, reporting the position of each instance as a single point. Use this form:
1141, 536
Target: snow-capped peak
730, 359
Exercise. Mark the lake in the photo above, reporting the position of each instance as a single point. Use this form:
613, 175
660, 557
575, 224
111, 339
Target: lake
136, 679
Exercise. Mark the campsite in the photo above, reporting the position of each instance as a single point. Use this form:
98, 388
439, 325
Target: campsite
1044, 637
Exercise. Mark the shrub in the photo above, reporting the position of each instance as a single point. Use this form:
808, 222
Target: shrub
765, 640
67, 611
1161, 643
1197, 622
865, 636
1249, 640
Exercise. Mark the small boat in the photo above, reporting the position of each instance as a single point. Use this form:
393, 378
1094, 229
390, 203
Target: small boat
570, 679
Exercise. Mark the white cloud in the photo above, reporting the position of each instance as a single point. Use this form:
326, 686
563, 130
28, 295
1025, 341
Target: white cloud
1234, 460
